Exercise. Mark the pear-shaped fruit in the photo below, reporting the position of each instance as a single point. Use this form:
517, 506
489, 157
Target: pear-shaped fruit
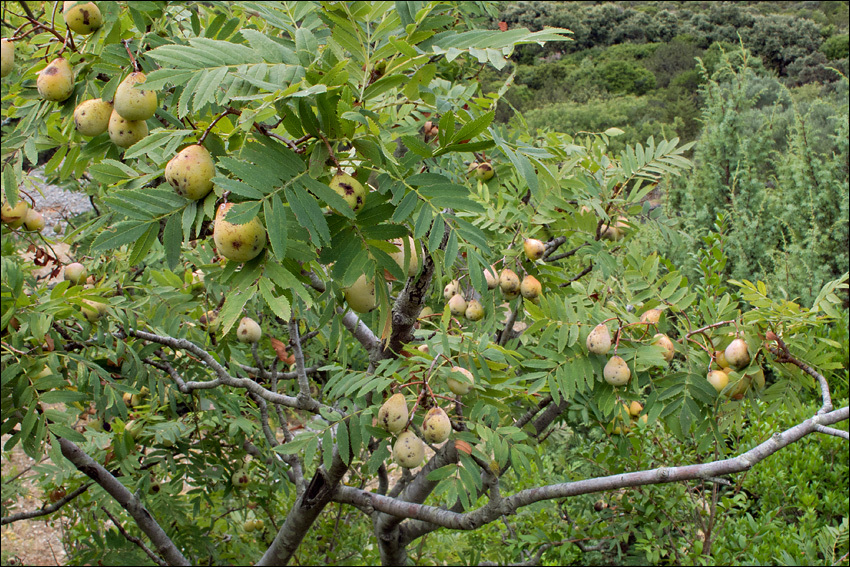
509, 282
534, 249
409, 451
190, 172
599, 340
651, 316
720, 359
457, 305
15, 216
349, 189
238, 242
616, 371
401, 259
436, 425
491, 276
249, 331
635, 408
460, 381
530, 287
34, 220
240, 478
664, 341
82, 17
360, 296
76, 273
452, 288
124, 133
718, 379
93, 310
132, 103
56, 81
474, 310
739, 388
393, 414
426, 312
7, 57
737, 353
91, 117
484, 172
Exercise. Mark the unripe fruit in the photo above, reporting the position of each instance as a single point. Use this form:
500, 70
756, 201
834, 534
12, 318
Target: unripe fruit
93, 310
740, 387
91, 117
474, 310
616, 371
124, 133
457, 305
530, 287
393, 414
492, 277
651, 316
249, 526
757, 378
664, 341
240, 478
409, 450
720, 359
426, 312
635, 408
400, 258
238, 242
436, 425
360, 296
83, 18
34, 220
190, 172
7, 57
259, 524
15, 216
737, 353
484, 172
534, 249
718, 379
76, 273
249, 331
509, 282
349, 189
462, 382
56, 81
132, 103
599, 340
452, 288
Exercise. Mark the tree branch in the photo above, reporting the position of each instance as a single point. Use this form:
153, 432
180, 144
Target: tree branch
133, 539
49, 509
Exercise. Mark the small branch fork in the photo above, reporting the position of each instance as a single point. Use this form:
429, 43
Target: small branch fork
782, 354
49, 509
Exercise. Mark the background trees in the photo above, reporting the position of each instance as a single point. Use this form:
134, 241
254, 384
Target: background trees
200, 447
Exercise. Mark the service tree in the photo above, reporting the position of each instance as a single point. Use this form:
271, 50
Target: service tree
324, 170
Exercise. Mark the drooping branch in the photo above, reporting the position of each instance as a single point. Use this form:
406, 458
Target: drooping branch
133, 539
49, 509
782, 354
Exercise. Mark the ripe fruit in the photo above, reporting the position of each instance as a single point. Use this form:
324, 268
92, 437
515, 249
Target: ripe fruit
474, 310
238, 242
462, 381
93, 310
616, 371
82, 18
426, 312
599, 340
436, 425
91, 117
651, 316
509, 282
664, 341
409, 450
530, 287
720, 359
452, 288
457, 305
124, 133
393, 414
76, 273
34, 220
15, 216
240, 478
190, 172
737, 353
57, 494
360, 296
614, 230
349, 189
635, 408
7, 57
718, 379
534, 249
492, 277
400, 258
484, 172
128, 399
249, 331
56, 81
132, 103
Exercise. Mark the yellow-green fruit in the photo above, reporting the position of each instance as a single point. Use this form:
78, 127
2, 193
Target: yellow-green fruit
83, 18
249, 526
190, 172
509, 282
534, 249
651, 316
401, 259
249, 331
91, 117
757, 378
259, 524
124, 133
409, 451
718, 379
474, 310
128, 399
426, 312
457, 305
492, 277
34, 220
93, 310
360, 296
530, 287
238, 242
132, 103
720, 359
461, 381
76, 273
452, 288
393, 414
740, 387
436, 425
737, 353
349, 189
240, 478
599, 340
664, 341
484, 172
7, 57
635, 408
616, 371
56, 81
15, 216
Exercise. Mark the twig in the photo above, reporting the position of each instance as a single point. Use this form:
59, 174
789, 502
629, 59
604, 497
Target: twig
133, 539
46, 509
784, 355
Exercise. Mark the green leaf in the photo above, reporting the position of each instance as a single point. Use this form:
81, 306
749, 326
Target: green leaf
279, 305
474, 127
121, 233
417, 146
172, 240
233, 304
275, 215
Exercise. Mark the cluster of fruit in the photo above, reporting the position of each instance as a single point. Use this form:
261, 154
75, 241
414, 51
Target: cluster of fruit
21, 215
409, 450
